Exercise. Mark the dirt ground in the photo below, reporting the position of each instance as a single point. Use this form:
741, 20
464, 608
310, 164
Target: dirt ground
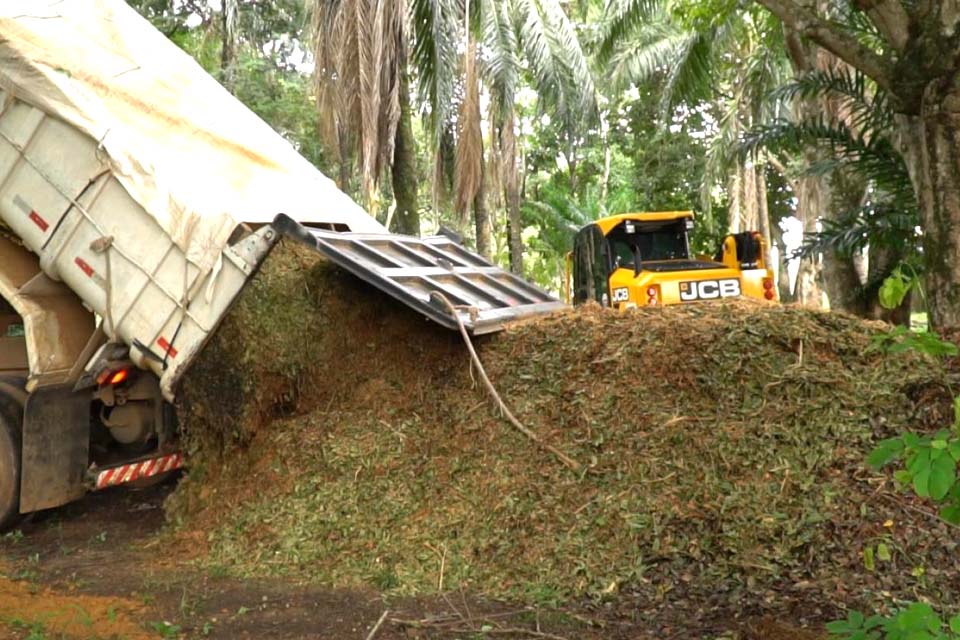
101, 568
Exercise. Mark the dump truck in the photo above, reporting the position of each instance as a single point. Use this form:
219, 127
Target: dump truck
137, 199
644, 259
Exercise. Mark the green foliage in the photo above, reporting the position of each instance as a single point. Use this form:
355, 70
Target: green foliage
929, 467
918, 621
894, 289
165, 629
282, 97
901, 281
900, 339
644, 150
35, 630
861, 143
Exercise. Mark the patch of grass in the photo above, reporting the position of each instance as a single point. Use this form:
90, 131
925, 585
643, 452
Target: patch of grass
165, 629
34, 630
13, 537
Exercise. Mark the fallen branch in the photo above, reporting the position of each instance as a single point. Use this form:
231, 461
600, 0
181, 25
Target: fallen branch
486, 630
376, 627
564, 458
514, 631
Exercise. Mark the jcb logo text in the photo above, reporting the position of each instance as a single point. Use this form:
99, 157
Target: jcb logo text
709, 289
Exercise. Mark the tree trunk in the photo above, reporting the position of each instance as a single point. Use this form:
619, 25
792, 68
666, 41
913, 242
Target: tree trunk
404, 170
812, 191
783, 272
930, 142
228, 49
607, 156
345, 163
763, 209
842, 285
570, 154
841, 280
813, 201
481, 216
749, 199
511, 187
735, 191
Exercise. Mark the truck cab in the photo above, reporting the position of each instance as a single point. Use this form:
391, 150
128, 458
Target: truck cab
644, 259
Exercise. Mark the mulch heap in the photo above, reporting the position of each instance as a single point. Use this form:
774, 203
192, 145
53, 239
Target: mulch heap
337, 436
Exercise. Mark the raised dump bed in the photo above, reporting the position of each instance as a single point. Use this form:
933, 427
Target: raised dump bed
137, 198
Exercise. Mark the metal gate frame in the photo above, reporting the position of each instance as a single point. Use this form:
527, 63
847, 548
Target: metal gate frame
410, 269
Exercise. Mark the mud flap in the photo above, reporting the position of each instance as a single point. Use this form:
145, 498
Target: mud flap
56, 448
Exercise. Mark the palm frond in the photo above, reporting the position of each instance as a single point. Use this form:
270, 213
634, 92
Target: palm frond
877, 224
875, 158
721, 152
868, 106
690, 76
559, 65
580, 86
656, 46
367, 36
469, 155
501, 63
621, 19
434, 32
765, 68
859, 24
358, 47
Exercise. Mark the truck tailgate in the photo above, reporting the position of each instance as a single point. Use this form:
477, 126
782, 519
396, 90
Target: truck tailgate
410, 269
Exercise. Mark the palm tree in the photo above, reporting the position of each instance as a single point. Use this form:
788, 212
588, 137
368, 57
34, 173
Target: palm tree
228, 49
363, 97
458, 52
500, 36
872, 193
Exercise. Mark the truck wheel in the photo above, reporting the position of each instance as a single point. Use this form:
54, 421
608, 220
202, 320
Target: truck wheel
9, 471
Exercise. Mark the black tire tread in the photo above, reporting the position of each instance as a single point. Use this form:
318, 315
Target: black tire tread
11, 420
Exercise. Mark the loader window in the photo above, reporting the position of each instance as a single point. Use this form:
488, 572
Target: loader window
651, 242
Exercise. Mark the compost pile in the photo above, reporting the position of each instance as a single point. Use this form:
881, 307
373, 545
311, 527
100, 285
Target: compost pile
339, 437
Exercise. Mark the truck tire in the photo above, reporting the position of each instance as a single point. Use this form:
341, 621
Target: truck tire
9, 467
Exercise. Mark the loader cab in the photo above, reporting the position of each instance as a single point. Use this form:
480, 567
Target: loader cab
643, 241
634, 243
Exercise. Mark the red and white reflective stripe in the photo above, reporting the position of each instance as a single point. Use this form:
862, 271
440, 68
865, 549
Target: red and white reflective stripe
136, 470
38, 220
86, 268
167, 347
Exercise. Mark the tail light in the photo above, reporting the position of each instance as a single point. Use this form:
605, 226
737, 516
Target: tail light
768, 292
114, 377
653, 295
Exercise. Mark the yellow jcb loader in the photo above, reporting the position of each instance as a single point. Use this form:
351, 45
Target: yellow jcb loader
643, 259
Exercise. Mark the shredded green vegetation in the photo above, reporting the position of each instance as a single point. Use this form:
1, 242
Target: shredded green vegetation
339, 437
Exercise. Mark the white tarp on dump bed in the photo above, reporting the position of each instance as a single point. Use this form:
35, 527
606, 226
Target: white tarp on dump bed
190, 153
